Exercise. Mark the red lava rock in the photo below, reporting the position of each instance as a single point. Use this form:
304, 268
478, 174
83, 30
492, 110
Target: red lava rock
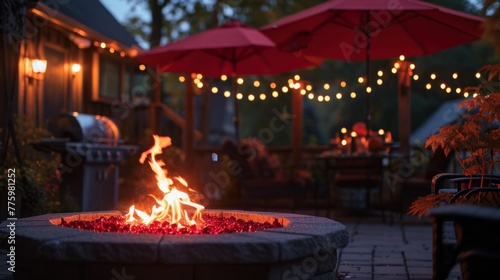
211, 225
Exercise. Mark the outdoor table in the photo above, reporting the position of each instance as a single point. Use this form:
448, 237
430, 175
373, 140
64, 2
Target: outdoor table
350, 170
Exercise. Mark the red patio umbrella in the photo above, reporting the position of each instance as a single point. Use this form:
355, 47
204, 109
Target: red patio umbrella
355, 30
230, 49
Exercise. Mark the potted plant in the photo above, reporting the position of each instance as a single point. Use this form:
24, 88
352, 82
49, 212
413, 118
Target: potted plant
474, 139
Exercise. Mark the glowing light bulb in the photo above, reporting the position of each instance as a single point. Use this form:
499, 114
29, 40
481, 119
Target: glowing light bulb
338, 95
415, 77
327, 98
353, 95
428, 86
380, 73
326, 86
343, 84
433, 76
284, 89
215, 90
182, 79
256, 83
272, 85
251, 97
454, 76
310, 96
368, 89
361, 80
223, 78
275, 94
227, 93
379, 82
402, 57
320, 98
262, 96
239, 96
343, 130
296, 77
240, 81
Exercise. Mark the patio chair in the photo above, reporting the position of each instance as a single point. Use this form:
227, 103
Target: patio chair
261, 175
447, 248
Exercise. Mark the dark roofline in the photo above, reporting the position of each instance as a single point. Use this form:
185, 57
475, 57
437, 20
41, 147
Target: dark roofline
67, 18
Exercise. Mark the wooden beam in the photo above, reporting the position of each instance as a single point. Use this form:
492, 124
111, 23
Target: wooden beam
180, 121
404, 108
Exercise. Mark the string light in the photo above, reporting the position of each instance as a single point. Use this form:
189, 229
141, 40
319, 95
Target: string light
412, 66
275, 94
353, 95
284, 89
415, 77
240, 81
396, 65
443, 86
199, 85
303, 91
361, 80
309, 87
343, 130
320, 98
454, 76
327, 98
380, 73
343, 84
239, 96
379, 82
466, 94
262, 96
199, 76
223, 78
448, 89
381, 132
428, 86
458, 90
338, 95
402, 57
256, 83
227, 93
215, 90
433, 76
272, 85
296, 86
394, 70
251, 97
182, 79
296, 77
478, 75
326, 86
310, 96
103, 45
368, 89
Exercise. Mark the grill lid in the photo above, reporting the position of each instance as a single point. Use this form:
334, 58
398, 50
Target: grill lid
78, 127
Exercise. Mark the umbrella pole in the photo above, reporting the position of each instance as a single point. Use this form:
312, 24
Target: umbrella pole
236, 112
368, 80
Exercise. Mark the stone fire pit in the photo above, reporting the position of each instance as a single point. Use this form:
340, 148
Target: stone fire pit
305, 248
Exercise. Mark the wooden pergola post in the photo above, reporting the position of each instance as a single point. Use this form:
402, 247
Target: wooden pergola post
404, 108
188, 131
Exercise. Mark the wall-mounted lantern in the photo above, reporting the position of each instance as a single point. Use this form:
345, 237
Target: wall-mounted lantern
75, 68
35, 68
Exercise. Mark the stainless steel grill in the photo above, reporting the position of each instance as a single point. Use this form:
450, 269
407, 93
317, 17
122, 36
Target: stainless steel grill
91, 149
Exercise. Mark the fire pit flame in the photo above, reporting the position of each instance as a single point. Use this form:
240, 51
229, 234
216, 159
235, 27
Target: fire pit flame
175, 204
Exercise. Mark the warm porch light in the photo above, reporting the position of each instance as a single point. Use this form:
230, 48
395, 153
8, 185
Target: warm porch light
39, 66
75, 68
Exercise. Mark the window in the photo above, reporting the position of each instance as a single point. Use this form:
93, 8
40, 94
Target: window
109, 79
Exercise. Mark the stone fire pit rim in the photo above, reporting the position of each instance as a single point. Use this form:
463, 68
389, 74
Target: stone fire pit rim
302, 236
